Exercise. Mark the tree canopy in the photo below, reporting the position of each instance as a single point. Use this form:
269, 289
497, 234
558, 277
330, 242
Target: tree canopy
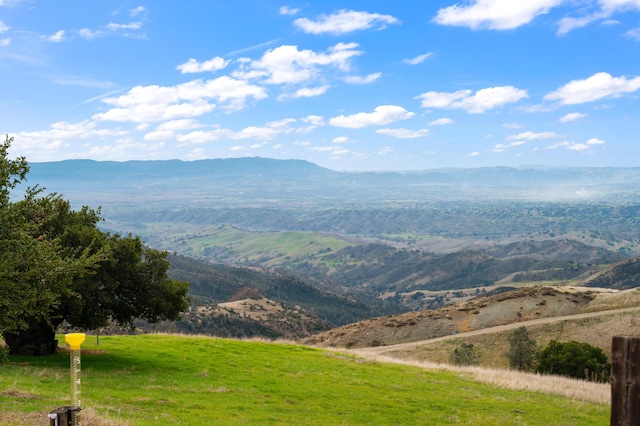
56, 265
574, 359
522, 350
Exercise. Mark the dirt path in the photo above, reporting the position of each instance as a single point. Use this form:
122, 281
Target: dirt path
497, 329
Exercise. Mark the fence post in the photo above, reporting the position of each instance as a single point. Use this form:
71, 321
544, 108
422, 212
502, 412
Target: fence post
625, 381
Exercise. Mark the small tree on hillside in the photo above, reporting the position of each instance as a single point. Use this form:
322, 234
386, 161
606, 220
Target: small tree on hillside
465, 354
522, 350
574, 359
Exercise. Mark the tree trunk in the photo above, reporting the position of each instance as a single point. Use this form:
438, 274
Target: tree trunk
39, 339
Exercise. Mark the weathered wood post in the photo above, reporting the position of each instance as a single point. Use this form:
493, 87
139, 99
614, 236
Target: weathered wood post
625, 381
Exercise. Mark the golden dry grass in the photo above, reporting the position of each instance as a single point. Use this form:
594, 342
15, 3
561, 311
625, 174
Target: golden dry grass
598, 393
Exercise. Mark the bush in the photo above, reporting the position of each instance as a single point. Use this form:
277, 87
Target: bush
4, 354
465, 354
522, 350
574, 359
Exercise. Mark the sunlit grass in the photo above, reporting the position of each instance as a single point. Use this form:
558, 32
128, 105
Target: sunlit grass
162, 379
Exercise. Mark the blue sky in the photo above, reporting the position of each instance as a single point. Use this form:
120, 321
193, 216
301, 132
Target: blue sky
348, 85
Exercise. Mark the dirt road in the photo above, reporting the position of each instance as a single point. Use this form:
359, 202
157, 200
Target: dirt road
506, 327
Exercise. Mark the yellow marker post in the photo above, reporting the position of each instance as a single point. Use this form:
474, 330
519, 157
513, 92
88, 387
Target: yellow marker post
75, 340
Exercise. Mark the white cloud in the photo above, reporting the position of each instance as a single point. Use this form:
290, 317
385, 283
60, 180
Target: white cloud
184, 124
611, 6
340, 139
477, 103
193, 66
267, 132
88, 34
529, 136
598, 86
634, 34
403, 133
5, 41
160, 135
512, 126
288, 65
441, 122
136, 11
3, 27
160, 103
573, 146
572, 116
290, 11
308, 92
494, 14
354, 79
473, 154
345, 21
595, 141
316, 120
418, 59
383, 114
502, 147
60, 135
57, 37
130, 26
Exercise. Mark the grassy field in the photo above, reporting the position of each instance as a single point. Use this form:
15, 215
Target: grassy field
267, 247
162, 379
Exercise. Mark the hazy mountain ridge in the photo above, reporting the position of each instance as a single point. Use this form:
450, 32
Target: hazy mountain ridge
265, 181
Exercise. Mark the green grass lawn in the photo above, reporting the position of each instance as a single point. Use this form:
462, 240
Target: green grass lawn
162, 379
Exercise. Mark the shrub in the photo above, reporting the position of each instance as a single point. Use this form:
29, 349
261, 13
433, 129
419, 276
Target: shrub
465, 354
522, 350
574, 359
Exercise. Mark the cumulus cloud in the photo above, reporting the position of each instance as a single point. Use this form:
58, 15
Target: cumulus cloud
475, 103
177, 125
502, 147
354, 79
267, 132
290, 11
193, 66
403, 133
529, 136
572, 116
383, 114
60, 135
3, 27
5, 41
136, 11
599, 86
573, 146
288, 65
57, 37
418, 59
441, 121
191, 99
307, 92
494, 14
634, 34
345, 21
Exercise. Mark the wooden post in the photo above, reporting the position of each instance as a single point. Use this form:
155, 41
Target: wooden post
625, 381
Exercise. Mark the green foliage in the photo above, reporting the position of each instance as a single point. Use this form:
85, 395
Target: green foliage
56, 265
522, 350
465, 354
574, 359
4, 355
160, 379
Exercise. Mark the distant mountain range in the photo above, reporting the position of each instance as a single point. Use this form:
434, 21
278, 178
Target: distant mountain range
263, 181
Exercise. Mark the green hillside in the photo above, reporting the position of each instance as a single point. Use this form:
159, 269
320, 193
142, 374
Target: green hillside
162, 379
